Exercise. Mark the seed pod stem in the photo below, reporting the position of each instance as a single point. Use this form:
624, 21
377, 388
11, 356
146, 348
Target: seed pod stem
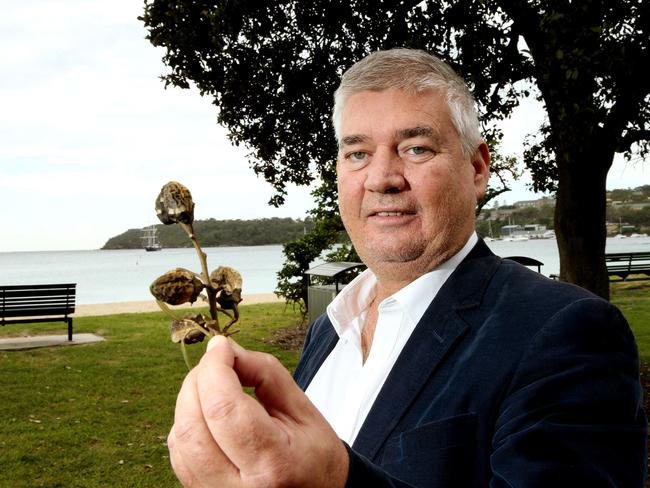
205, 275
185, 356
163, 306
206, 331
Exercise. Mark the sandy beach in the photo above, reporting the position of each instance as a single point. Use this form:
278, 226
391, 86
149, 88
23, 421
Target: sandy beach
150, 305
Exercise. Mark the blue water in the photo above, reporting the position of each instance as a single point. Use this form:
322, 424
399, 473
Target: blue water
545, 250
115, 276
125, 275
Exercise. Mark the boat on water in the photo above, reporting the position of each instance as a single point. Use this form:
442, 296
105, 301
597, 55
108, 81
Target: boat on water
150, 239
516, 238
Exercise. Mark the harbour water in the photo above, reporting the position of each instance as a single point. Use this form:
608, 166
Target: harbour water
125, 275
545, 250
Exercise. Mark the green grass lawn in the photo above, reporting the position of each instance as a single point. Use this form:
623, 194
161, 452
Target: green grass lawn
97, 415
633, 299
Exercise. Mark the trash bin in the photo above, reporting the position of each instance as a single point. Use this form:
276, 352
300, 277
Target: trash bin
319, 296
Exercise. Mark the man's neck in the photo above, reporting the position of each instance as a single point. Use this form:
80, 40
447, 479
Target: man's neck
369, 325
392, 277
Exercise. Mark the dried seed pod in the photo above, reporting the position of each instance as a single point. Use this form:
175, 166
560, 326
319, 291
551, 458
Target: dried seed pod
228, 281
186, 330
212, 325
174, 204
176, 286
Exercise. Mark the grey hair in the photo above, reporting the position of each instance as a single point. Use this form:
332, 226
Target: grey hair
415, 71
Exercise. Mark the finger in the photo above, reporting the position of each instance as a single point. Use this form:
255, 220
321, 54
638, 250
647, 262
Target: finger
274, 385
261, 439
245, 432
192, 446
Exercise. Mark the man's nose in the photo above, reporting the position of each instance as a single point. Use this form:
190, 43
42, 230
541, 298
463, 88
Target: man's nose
385, 173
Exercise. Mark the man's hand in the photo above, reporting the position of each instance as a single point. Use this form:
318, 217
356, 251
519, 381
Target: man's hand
223, 437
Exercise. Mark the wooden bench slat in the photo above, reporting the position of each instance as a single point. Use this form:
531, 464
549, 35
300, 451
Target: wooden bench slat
18, 312
32, 320
629, 266
636, 254
19, 301
55, 303
38, 287
35, 293
36, 303
14, 298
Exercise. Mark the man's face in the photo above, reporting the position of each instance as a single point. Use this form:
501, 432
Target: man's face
407, 193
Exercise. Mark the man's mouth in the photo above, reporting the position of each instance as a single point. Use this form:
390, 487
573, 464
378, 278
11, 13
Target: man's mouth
392, 213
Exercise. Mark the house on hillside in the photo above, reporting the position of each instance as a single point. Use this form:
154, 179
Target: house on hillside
528, 231
540, 202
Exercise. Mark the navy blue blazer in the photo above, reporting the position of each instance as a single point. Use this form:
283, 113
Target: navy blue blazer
509, 380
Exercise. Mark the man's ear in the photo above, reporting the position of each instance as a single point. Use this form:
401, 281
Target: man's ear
481, 165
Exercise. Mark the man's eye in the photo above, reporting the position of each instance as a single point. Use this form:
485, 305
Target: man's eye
416, 150
357, 156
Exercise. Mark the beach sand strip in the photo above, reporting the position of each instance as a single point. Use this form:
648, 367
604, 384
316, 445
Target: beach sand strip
151, 306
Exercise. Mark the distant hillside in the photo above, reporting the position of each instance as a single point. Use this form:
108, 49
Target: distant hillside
628, 212
213, 233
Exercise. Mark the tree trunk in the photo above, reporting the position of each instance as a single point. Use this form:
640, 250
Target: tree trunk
562, 40
580, 219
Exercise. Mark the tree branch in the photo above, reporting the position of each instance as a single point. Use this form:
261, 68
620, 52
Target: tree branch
631, 136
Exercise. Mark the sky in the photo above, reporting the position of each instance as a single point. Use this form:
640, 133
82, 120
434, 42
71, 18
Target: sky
89, 134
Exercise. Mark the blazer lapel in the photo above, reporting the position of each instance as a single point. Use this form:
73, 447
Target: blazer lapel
438, 330
319, 347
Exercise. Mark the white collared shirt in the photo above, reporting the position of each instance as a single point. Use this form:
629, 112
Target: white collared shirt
344, 388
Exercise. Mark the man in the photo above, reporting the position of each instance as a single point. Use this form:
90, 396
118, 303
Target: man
442, 365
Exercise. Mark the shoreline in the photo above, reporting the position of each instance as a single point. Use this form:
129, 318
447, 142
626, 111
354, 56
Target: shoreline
87, 310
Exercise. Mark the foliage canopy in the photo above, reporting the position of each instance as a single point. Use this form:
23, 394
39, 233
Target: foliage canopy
272, 67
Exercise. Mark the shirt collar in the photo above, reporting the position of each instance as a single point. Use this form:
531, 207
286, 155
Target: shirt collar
352, 301
414, 298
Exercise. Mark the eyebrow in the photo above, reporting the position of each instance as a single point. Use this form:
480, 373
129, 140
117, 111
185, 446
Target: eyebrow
400, 135
421, 131
353, 139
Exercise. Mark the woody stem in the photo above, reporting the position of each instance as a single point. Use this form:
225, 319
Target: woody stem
212, 293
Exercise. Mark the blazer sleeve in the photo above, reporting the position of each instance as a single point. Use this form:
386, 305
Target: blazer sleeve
572, 415
362, 473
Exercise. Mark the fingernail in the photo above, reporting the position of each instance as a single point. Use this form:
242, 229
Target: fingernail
212, 343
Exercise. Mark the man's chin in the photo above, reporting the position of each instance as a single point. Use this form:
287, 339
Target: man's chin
391, 254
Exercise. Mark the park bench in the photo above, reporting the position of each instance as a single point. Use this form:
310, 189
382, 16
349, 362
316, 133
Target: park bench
624, 264
22, 304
